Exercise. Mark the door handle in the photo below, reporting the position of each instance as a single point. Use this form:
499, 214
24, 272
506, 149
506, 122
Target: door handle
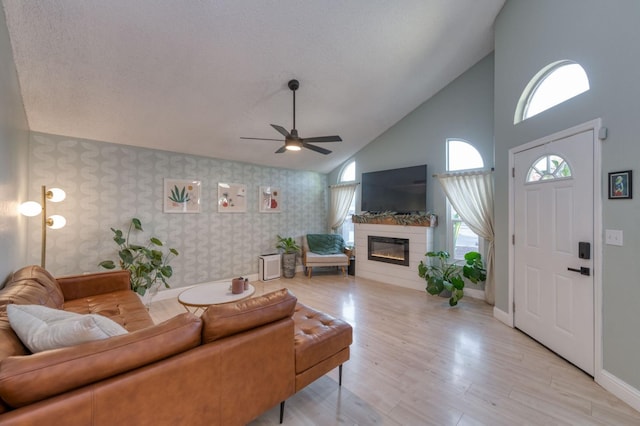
583, 270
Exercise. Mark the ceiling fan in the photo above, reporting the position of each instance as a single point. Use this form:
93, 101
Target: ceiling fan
293, 142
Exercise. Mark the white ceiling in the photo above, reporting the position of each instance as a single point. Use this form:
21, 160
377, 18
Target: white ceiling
192, 76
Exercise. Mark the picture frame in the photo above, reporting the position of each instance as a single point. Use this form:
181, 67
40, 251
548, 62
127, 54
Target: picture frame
269, 199
621, 185
232, 197
181, 195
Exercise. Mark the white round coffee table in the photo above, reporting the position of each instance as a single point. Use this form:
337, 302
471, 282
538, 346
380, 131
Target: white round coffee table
204, 295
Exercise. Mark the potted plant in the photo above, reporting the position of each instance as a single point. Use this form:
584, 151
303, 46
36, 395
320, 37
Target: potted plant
290, 250
148, 264
442, 276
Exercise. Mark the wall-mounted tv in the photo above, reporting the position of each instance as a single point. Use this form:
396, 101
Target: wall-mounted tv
402, 190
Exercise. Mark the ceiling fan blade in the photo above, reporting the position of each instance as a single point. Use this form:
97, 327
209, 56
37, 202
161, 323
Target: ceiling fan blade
318, 139
281, 130
282, 149
316, 148
262, 139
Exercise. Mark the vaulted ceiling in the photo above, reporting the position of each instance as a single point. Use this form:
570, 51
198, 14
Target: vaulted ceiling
193, 76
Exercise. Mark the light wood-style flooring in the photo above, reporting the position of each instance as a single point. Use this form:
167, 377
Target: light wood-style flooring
415, 361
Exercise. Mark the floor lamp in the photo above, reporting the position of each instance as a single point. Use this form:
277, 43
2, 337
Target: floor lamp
33, 208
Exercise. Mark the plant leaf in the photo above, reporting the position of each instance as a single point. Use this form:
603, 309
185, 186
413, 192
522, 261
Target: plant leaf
107, 264
422, 269
136, 223
435, 286
457, 282
126, 256
167, 271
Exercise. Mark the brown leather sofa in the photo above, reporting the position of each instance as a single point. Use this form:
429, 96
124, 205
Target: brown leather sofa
225, 368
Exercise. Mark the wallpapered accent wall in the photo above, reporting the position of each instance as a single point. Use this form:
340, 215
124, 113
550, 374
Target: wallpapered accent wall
108, 184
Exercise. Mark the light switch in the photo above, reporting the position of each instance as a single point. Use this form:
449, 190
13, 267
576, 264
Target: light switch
613, 237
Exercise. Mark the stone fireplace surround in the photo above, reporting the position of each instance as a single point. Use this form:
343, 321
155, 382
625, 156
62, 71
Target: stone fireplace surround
420, 241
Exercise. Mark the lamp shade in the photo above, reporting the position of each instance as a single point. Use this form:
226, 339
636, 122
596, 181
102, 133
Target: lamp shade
56, 195
56, 221
30, 208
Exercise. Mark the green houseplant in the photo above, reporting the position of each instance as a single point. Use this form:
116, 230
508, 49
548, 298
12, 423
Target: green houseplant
148, 264
444, 276
290, 249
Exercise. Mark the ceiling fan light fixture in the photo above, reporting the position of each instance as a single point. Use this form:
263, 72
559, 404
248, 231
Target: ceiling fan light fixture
293, 142
293, 145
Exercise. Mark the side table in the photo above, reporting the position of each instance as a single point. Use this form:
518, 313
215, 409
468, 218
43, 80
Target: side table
200, 297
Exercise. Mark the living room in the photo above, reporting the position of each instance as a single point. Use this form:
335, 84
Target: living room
108, 183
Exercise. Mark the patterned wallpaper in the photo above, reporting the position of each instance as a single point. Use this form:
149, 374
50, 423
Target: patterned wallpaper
108, 184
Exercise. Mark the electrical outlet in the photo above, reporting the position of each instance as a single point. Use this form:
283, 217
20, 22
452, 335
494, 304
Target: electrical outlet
613, 237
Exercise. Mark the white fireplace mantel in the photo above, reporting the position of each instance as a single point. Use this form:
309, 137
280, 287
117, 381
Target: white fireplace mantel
420, 241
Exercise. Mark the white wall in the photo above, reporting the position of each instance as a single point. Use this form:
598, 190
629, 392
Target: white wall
13, 160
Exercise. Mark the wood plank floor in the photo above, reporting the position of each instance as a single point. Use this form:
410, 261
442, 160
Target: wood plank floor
415, 361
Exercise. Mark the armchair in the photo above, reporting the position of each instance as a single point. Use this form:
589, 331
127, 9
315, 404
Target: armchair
323, 250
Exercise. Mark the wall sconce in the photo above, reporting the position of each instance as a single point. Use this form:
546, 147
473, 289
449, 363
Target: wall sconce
32, 208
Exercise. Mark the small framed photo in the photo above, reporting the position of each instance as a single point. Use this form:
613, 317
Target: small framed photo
620, 185
181, 196
269, 199
232, 198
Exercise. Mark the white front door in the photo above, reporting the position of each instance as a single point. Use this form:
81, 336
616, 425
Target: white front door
553, 213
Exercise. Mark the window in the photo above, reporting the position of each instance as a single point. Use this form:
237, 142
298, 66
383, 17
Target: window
461, 155
348, 174
554, 84
548, 167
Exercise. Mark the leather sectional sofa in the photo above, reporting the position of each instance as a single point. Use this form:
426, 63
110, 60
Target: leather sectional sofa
223, 368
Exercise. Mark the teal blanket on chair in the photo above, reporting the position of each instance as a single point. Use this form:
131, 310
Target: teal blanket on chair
325, 243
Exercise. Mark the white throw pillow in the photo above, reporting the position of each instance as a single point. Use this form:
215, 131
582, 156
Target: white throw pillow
41, 328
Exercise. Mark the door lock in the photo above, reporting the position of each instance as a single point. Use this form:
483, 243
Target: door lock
583, 270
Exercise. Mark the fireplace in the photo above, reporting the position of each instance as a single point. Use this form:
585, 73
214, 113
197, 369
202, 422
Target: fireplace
388, 250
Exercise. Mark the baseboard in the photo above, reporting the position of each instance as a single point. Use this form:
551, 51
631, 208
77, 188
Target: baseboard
172, 293
474, 293
502, 316
619, 388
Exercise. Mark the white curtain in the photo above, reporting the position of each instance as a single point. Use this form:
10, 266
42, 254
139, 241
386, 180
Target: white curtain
341, 197
471, 195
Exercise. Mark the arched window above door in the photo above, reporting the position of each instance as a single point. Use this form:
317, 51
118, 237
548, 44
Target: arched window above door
552, 85
548, 167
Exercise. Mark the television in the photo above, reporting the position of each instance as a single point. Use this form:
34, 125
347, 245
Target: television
402, 191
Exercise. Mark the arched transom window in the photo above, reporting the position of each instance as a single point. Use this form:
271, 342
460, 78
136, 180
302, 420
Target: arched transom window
548, 167
552, 85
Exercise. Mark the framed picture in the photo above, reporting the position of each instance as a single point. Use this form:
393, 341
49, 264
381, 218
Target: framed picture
181, 196
620, 185
232, 198
269, 199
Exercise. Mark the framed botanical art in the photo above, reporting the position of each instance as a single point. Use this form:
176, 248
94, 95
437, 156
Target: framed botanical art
232, 198
269, 199
620, 185
181, 196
